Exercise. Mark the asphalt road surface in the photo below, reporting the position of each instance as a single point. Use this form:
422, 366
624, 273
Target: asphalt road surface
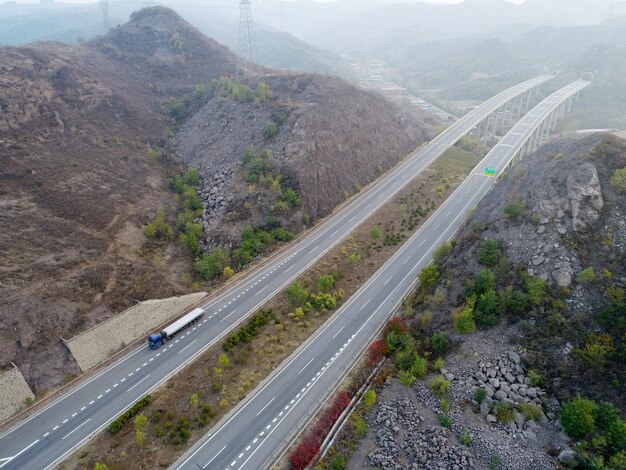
48, 436
259, 429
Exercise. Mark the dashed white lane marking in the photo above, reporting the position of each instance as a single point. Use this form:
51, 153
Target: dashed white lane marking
262, 433
423, 241
99, 396
305, 368
365, 304
151, 359
255, 440
206, 320
248, 448
76, 428
266, 286
92, 402
274, 420
268, 404
291, 402
144, 364
139, 368
107, 390
55, 428
115, 385
233, 463
138, 383
158, 354
123, 380
406, 260
46, 434
174, 343
437, 226
459, 202
390, 278
74, 415
340, 330
65, 421
240, 455
334, 233
312, 250
268, 426
83, 408
290, 267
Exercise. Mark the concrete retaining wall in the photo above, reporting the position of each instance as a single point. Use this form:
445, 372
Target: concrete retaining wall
14, 392
96, 344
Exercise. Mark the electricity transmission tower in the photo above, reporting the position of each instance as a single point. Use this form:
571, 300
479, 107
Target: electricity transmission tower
104, 7
246, 49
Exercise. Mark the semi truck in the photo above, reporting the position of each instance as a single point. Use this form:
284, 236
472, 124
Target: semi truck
155, 340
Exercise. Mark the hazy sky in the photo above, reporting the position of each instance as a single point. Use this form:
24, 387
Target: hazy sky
179, 1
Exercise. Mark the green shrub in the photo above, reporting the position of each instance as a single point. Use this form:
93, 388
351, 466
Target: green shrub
296, 295
338, 462
291, 197
439, 343
535, 289
480, 394
439, 364
465, 438
159, 228
118, 423
503, 412
369, 398
428, 277
618, 180
441, 252
485, 282
586, 275
419, 367
270, 130
325, 282
535, 377
246, 333
212, 265
489, 253
530, 411
445, 420
577, 417
463, 319
439, 386
375, 233
514, 210
406, 378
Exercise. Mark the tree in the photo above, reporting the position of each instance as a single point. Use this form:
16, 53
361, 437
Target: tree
577, 417
485, 282
439, 343
428, 277
489, 253
487, 309
463, 319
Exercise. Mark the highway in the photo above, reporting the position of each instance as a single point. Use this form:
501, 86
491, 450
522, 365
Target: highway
45, 438
254, 434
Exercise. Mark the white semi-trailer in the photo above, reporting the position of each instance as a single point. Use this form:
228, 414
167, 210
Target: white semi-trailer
157, 339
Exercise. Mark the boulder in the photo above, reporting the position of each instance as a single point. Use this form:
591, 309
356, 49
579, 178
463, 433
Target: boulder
484, 409
585, 196
500, 395
495, 383
514, 357
509, 378
563, 275
491, 419
567, 456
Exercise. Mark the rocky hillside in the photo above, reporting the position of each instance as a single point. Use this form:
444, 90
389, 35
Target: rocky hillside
330, 139
86, 154
527, 310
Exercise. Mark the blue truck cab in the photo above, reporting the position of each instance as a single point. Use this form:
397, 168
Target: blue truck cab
155, 340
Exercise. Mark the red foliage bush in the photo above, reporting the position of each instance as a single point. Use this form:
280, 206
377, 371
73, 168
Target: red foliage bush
396, 325
377, 350
309, 447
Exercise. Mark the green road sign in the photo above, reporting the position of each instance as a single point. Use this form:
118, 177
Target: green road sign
490, 171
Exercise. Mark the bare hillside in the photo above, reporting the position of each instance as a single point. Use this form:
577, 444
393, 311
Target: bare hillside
86, 153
